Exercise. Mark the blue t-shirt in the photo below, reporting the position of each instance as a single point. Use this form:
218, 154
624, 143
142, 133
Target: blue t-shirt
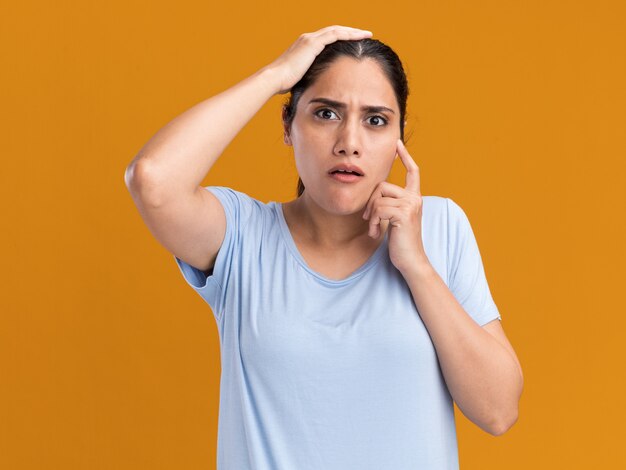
322, 374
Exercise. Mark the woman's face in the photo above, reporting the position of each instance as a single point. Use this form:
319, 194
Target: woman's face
359, 126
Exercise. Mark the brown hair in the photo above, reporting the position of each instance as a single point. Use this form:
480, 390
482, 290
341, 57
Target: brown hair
361, 49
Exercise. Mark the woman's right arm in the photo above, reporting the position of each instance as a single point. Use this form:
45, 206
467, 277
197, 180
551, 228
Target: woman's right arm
165, 177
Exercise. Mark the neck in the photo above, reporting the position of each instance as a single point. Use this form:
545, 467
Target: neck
329, 230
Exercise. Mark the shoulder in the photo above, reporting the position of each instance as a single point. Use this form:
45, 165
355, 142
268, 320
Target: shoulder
443, 207
225, 193
437, 203
438, 208
445, 219
235, 201
243, 211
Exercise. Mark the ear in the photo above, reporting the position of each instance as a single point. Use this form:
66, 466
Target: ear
286, 137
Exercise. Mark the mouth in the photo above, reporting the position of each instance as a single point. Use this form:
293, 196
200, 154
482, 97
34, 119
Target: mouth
346, 168
345, 176
346, 173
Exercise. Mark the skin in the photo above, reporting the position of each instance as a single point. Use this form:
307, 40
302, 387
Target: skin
344, 222
323, 136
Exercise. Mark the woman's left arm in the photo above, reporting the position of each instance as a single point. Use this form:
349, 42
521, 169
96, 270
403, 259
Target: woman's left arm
478, 363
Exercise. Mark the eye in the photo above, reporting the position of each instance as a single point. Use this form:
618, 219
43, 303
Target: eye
380, 119
323, 110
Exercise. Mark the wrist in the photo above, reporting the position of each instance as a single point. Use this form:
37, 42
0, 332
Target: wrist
419, 269
269, 77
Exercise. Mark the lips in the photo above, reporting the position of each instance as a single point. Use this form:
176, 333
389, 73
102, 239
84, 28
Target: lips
346, 169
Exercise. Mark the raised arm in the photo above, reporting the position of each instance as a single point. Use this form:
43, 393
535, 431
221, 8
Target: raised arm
164, 178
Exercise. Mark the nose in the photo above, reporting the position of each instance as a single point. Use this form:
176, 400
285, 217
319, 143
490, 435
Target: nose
348, 139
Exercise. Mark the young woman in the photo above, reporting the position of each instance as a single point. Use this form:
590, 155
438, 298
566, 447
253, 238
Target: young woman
351, 317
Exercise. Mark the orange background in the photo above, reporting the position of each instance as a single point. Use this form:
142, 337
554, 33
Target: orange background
109, 360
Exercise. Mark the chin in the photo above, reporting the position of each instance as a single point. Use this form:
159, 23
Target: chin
343, 201
344, 205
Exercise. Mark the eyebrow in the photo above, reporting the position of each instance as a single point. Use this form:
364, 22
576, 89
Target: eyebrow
337, 104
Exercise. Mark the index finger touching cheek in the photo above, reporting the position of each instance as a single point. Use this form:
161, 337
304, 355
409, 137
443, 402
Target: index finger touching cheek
412, 170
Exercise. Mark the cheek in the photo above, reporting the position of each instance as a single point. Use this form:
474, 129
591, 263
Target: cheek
308, 155
305, 165
388, 154
387, 170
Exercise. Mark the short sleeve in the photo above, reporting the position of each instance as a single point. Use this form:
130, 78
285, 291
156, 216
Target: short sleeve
466, 274
212, 288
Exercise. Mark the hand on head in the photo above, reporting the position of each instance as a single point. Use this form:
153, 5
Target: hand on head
291, 66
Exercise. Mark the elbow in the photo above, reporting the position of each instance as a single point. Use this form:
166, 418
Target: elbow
136, 174
505, 420
503, 424
142, 183
129, 176
134, 171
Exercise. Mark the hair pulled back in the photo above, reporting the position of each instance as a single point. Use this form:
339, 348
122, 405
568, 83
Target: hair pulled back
362, 49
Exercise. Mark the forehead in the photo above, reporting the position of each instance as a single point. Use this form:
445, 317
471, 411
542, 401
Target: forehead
353, 82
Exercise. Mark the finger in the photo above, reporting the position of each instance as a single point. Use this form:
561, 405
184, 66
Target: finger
380, 210
384, 202
412, 170
390, 213
384, 189
368, 207
334, 33
338, 27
